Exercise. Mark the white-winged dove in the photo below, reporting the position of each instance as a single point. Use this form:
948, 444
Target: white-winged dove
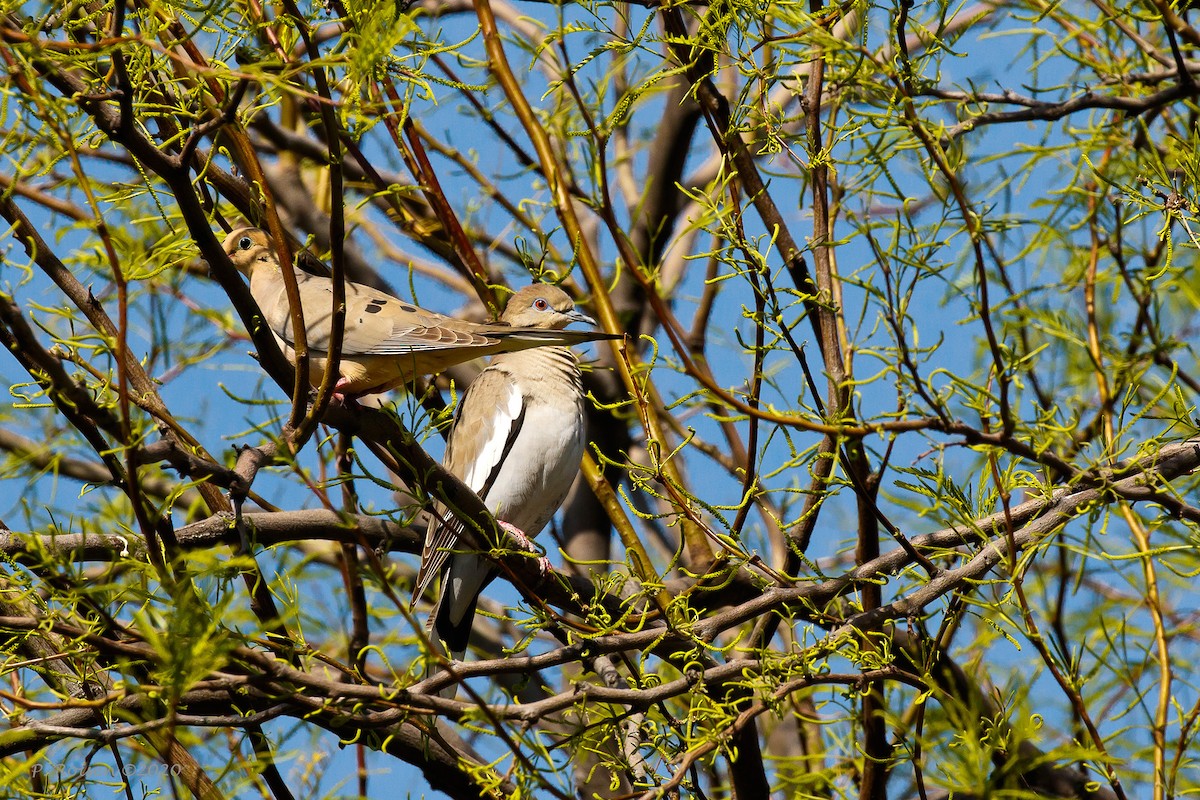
387, 341
517, 442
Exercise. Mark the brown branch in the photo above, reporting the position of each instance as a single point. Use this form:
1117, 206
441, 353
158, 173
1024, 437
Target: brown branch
41, 456
1039, 110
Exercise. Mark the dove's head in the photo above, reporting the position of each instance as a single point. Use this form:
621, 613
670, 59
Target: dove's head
247, 247
542, 306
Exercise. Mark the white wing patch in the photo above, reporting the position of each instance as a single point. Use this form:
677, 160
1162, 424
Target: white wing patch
506, 412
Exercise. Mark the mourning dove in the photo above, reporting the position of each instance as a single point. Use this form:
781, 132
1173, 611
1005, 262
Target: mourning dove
388, 341
517, 442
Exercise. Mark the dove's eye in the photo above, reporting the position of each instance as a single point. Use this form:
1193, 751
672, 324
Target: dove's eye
245, 243
540, 304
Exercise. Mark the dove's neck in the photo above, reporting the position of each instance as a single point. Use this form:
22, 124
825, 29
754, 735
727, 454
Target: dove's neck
557, 365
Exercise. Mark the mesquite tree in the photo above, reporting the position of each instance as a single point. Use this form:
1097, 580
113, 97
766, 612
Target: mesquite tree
889, 489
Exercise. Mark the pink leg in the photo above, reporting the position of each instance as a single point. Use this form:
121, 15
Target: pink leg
526, 543
346, 400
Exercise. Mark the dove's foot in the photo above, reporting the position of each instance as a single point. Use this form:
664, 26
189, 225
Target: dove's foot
348, 400
526, 543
